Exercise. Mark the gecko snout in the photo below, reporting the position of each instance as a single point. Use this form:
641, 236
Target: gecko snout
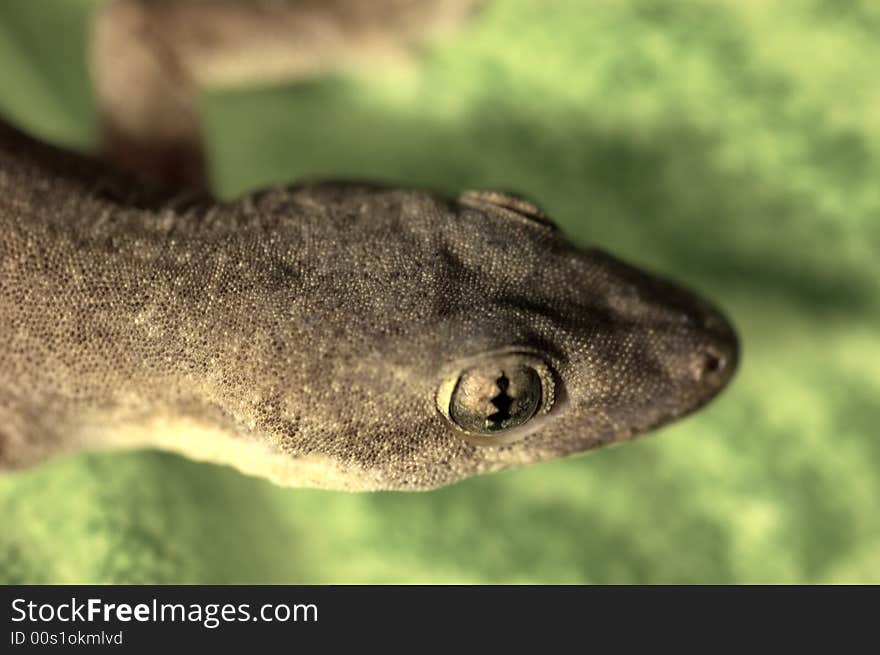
716, 361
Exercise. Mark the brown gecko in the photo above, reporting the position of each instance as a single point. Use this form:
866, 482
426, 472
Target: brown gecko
332, 335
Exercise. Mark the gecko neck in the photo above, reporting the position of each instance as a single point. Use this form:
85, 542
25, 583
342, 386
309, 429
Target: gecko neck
110, 315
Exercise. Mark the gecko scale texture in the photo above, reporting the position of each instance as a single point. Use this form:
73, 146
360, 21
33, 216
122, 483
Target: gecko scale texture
303, 333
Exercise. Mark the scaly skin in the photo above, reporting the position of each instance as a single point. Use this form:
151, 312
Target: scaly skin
303, 333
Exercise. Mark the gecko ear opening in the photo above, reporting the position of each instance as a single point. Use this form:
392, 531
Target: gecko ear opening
508, 201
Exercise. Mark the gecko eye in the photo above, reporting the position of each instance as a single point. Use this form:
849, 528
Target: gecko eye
497, 394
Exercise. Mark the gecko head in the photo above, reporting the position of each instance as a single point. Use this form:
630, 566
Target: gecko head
598, 350
475, 337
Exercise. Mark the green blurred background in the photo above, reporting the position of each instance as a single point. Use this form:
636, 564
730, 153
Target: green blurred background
734, 146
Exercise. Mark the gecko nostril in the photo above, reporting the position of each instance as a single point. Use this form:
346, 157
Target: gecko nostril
716, 361
712, 362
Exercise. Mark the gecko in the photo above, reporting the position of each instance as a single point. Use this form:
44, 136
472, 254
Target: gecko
150, 60
337, 335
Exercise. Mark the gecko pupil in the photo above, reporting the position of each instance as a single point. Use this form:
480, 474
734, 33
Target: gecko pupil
502, 402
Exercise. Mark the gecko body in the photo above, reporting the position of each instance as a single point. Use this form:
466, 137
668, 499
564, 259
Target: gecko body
331, 335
